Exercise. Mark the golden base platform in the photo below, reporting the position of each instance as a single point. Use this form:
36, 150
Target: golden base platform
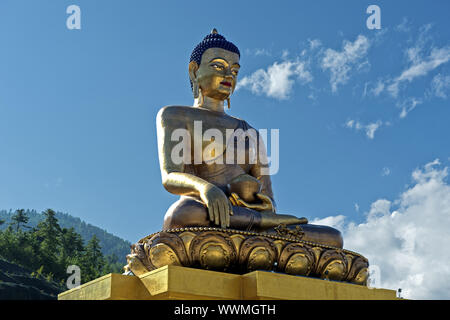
175, 282
241, 252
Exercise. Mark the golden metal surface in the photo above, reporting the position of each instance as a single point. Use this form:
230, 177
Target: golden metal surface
238, 251
109, 287
237, 240
135, 264
268, 286
162, 255
173, 282
187, 239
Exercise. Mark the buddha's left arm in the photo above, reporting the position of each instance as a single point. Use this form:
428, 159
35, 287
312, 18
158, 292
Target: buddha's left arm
260, 171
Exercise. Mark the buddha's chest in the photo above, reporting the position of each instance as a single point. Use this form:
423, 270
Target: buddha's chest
223, 144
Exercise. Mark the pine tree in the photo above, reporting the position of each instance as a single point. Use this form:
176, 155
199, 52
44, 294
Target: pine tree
71, 242
113, 264
49, 250
93, 260
72, 248
20, 217
48, 233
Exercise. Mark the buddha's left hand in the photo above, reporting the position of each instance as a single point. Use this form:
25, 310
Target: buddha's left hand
265, 204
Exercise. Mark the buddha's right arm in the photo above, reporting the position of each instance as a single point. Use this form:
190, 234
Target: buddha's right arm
172, 138
184, 184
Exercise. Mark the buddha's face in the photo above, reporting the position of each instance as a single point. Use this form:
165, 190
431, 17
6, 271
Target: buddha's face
217, 73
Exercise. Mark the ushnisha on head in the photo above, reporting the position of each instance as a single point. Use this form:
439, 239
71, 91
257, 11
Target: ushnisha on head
213, 68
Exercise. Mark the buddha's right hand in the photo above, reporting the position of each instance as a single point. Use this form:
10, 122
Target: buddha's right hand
219, 207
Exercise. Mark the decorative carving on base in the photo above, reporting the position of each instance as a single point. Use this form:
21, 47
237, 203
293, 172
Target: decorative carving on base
237, 251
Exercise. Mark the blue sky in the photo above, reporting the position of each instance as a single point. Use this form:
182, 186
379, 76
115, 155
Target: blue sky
358, 110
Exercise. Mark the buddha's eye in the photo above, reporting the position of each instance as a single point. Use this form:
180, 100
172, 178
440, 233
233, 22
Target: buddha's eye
217, 66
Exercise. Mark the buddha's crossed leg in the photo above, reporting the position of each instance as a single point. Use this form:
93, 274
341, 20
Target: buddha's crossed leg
190, 212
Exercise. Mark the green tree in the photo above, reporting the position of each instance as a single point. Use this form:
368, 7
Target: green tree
49, 250
2, 222
72, 248
93, 260
48, 234
20, 217
8, 244
71, 242
113, 264
49, 230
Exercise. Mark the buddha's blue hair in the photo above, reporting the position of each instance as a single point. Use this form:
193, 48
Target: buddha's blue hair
212, 40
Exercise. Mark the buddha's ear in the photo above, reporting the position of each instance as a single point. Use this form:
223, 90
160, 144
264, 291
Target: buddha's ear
193, 67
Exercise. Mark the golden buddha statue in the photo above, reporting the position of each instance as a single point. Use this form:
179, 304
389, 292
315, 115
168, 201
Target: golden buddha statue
227, 195
226, 217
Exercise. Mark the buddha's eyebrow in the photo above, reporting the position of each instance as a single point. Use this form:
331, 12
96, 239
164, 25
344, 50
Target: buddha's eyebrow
219, 58
224, 60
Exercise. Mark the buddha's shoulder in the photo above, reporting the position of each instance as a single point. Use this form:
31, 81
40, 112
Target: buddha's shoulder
188, 112
173, 111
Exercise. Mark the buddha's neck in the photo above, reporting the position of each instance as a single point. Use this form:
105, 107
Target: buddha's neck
210, 104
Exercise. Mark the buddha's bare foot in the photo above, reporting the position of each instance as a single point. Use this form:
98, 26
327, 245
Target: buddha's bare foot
310, 232
270, 219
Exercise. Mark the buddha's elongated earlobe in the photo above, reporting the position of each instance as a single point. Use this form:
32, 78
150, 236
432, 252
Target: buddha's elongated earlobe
195, 89
200, 97
228, 102
193, 67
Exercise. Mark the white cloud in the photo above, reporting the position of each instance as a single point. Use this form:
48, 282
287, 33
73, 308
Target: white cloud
440, 85
363, 66
258, 52
420, 66
378, 89
312, 96
369, 128
385, 171
333, 221
422, 58
404, 26
437, 57
315, 43
277, 80
262, 52
341, 63
365, 89
375, 90
407, 238
408, 105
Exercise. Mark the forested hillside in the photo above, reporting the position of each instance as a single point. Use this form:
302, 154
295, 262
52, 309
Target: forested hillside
111, 244
37, 249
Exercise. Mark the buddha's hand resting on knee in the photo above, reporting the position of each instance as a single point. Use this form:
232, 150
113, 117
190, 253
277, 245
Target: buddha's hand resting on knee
219, 207
265, 204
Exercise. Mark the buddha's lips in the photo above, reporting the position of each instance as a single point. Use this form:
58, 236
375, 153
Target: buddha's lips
226, 83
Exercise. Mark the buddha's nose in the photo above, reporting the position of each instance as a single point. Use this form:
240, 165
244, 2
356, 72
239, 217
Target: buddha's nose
228, 74
229, 77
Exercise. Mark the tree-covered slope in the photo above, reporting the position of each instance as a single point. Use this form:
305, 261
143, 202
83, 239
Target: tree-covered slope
111, 244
